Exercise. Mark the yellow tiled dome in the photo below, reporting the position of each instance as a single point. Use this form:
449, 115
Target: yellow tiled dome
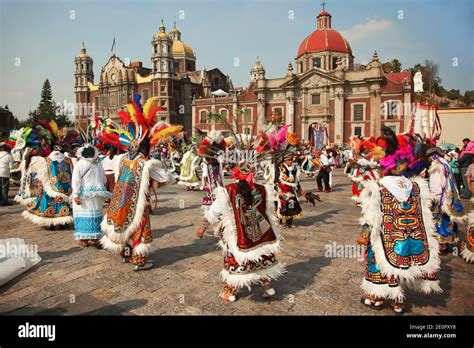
180, 49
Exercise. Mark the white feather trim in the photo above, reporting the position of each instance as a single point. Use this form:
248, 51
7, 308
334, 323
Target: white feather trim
229, 234
383, 291
122, 237
47, 222
425, 286
467, 255
241, 280
111, 246
144, 249
371, 214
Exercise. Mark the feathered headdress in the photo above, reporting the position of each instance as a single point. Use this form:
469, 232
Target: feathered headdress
405, 153
212, 145
137, 124
48, 130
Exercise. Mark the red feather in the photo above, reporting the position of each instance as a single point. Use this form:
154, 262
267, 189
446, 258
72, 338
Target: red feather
125, 117
151, 116
45, 124
112, 139
139, 116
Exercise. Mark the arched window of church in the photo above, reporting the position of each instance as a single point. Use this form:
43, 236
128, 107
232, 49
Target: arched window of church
155, 48
163, 65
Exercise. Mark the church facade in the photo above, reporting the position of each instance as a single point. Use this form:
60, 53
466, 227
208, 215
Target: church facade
172, 77
327, 90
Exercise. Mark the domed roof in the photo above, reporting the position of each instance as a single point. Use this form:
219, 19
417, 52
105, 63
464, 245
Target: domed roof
180, 49
324, 38
83, 53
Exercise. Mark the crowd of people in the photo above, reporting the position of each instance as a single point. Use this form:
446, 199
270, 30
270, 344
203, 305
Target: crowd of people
104, 181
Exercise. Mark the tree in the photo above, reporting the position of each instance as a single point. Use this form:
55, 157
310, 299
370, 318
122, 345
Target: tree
393, 66
468, 98
453, 94
48, 109
430, 71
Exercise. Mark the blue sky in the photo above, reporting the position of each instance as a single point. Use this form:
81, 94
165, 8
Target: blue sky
46, 39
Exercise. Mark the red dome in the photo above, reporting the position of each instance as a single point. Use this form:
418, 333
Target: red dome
324, 40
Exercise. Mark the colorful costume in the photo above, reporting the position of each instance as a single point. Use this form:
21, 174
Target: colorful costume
243, 217
401, 239
447, 207
398, 228
88, 185
127, 223
249, 236
308, 166
51, 206
212, 149
288, 188
189, 165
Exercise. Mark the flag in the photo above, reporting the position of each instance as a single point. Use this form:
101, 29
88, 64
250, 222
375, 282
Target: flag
113, 45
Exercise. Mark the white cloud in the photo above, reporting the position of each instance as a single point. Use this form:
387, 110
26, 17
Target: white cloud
364, 30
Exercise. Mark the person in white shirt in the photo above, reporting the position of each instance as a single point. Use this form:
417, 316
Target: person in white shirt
109, 163
323, 175
6, 164
88, 195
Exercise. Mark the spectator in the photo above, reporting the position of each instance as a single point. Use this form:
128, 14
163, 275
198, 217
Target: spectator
470, 177
323, 175
465, 160
6, 164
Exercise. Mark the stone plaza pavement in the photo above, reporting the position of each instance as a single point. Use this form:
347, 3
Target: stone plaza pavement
185, 279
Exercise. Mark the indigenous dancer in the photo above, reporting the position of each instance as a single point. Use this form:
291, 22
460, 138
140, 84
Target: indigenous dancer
447, 206
127, 222
243, 217
211, 148
248, 232
88, 195
308, 166
288, 189
51, 207
189, 165
398, 230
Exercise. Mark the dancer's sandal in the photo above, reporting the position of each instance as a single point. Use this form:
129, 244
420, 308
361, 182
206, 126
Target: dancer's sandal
267, 293
397, 308
371, 302
144, 267
200, 232
226, 296
83, 243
